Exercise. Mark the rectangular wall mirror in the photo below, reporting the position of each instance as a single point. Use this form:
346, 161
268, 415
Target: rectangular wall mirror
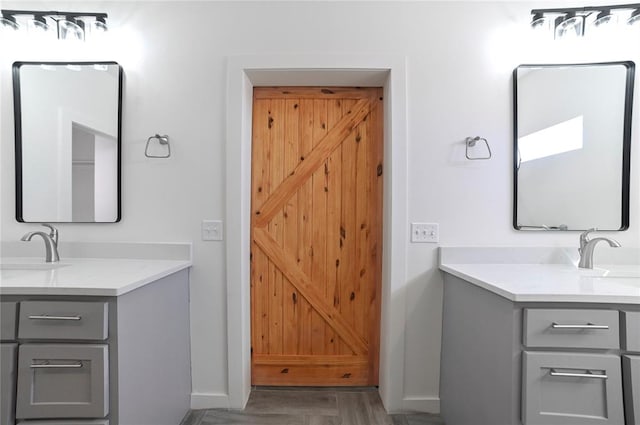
572, 131
67, 128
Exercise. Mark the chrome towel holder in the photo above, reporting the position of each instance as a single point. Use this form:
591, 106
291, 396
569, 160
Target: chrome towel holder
162, 141
471, 142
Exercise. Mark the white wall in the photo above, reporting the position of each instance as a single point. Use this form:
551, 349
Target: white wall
460, 56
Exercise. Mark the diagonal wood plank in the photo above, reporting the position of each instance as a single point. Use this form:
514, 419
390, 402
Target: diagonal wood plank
304, 285
305, 169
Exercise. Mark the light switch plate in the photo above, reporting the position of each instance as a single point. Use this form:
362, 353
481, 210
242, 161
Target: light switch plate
425, 232
212, 230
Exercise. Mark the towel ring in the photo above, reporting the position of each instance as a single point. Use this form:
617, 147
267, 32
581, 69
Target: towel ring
163, 141
470, 142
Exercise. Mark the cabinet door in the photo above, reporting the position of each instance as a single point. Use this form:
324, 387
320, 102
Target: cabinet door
8, 382
571, 389
62, 381
631, 371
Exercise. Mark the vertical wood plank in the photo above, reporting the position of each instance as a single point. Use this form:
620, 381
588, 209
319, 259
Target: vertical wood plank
305, 210
319, 226
361, 274
376, 154
334, 176
347, 226
291, 310
277, 147
259, 262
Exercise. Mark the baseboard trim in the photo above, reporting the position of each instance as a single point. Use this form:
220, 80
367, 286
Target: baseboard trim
209, 401
421, 404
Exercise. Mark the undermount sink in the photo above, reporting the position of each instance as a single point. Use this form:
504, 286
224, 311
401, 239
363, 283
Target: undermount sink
31, 266
617, 272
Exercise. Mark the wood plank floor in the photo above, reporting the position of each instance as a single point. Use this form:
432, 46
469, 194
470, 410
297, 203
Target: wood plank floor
310, 406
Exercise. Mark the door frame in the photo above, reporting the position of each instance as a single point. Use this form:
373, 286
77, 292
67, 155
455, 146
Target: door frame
245, 72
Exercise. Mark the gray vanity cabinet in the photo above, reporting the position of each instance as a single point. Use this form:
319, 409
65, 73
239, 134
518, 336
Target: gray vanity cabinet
99, 360
537, 363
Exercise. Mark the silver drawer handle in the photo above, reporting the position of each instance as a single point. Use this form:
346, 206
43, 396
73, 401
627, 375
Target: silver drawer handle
47, 317
555, 325
55, 365
589, 374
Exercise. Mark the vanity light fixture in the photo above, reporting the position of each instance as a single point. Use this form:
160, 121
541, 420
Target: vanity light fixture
69, 25
577, 21
634, 19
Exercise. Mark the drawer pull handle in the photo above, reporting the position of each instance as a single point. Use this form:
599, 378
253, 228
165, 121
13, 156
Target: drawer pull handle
48, 365
555, 325
589, 374
47, 317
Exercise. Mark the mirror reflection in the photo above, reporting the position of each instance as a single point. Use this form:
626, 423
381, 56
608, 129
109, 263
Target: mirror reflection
572, 141
67, 118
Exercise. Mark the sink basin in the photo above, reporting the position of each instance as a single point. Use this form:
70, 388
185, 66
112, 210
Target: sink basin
32, 266
608, 273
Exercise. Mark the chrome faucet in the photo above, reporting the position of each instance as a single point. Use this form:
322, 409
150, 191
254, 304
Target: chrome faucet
588, 245
50, 242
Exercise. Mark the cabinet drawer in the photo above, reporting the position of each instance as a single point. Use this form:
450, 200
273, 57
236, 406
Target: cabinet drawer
62, 381
630, 330
566, 328
7, 320
7, 382
63, 320
571, 389
631, 374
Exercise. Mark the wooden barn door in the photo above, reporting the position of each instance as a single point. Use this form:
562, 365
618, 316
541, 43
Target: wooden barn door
316, 235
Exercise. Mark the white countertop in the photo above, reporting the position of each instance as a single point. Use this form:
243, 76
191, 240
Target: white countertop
82, 276
537, 281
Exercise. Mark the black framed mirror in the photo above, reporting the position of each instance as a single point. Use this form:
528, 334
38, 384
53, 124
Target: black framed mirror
68, 120
572, 144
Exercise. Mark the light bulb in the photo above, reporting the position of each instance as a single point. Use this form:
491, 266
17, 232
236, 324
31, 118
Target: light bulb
605, 18
539, 22
39, 28
635, 18
8, 23
99, 25
71, 29
571, 26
